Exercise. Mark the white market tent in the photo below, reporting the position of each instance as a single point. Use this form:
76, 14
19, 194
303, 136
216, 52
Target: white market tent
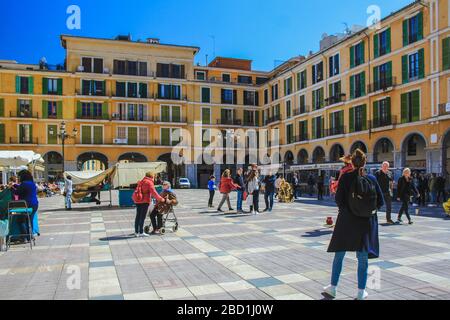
13, 161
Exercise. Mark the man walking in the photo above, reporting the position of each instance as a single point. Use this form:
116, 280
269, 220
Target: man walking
296, 183
68, 190
239, 180
385, 180
320, 186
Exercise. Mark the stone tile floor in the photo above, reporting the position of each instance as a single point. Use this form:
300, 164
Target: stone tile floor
89, 253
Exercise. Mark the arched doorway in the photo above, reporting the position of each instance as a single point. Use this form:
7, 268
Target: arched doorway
302, 157
53, 166
289, 158
92, 161
384, 151
413, 152
358, 145
336, 152
174, 171
318, 155
132, 157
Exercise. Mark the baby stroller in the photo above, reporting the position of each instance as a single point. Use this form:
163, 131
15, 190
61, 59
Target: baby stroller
169, 218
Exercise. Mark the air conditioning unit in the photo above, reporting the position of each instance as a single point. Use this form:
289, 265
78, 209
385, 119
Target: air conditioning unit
106, 70
80, 68
120, 141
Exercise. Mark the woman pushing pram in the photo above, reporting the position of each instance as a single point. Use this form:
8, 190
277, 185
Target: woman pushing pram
163, 211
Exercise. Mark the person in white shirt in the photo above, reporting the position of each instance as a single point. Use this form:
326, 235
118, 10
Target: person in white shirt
68, 189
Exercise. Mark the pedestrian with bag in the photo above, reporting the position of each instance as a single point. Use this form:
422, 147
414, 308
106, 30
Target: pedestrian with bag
253, 191
405, 191
358, 198
142, 197
386, 182
239, 181
68, 190
225, 187
269, 192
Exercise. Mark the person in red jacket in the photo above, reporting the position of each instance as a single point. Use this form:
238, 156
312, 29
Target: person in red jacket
226, 186
148, 192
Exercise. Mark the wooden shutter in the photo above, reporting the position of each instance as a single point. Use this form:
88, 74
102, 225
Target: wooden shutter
52, 138
2, 107
60, 86
86, 134
79, 110
142, 90
352, 120
59, 110
364, 117
176, 114
206, 115
421, 63
388, 108
165, 136
256, 98
352, 57
389, 71
2, 133
415, 97
405, 73
44, 109
405, 33
234, 96
363, 52
98, 135
420, 26
18, 108
352, 87
30, 85
314, 100
446, 53
257, 118
404, 108
376, 49
388, 40
132, 136
314, 135
105, 114
376, 74
44, 85
376, 111
363, 83
17, 84
165, 113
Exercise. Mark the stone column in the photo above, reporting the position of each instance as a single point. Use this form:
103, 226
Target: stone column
191, 174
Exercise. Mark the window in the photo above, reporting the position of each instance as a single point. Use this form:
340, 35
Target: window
266, 96
251, 98
317, 99
206, 116
24, 85
91, 134
226, 77
446, 53
206, 95
288, 109
382, 76
171, 114
317, 127
358, 85
170, 136
410, 106
200, 75
245, 79
337, 123
357, 55
413, 66
288, 86
92, 110
261, 80
120, 89
334, 65
93, 88
413, 29
52, 109
303, 130
358, 118
317, 73
290, 134
132, 89
25, 133
206, 137
132, 68
335, 93
90, 65
382, 43
251, 118
52, 86
229, 96
275, 92
302, 104
227, 116
52, 134
24, 109
169, 91
382, 113
132, 112
164, 70
301, 80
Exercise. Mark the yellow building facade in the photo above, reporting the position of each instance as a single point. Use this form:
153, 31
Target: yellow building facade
385, 89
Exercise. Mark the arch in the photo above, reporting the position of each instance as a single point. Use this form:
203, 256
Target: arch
358, 144
336, 152
53, 157
383, 150
289, 158
413, 154
132, 157
174, 171
302, 157
318, 155
53, 166
92, 161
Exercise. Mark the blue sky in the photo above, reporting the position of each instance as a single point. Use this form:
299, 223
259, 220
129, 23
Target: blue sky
260, 30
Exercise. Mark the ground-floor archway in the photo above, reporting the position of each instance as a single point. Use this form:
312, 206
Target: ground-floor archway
318, 155
413, 152
336, 152
92, 161
383, 151
174, 171
132, 157
358, 145
53, 166
302, 157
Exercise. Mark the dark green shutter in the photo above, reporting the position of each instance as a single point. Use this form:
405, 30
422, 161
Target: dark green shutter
257, 118
330, 91
246, 117
314, 100
376, 49
2, 133
405, 33
352, 120
17, 84
405, 73
165, 136
363, 83
105, 114
44, 109
404, 108
165, 113
364, 117
446, 54
60, 86
18, 108
376, 111
352, 56
363, 52
389, 70
420, 26
376, 85
44, 85
352, 87
206, 116
132, 136
298, 81
30, 85
86, 135
176, 114
142, 90
421, 63
2, 107
314, 135
31, 133
98, 135
415, 97
321, 97
388, 40
388, 108
79, 110
59, 110
52, 138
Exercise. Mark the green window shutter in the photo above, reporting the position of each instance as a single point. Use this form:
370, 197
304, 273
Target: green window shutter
105, 114
98, 135
79, 110
341, 118
257, 118
376, 40
298, 81
415, 105
421, 63
30, 85
375, 78
44, 85
363, 83
176, 114
404, 108
18, 108
364, 117
31, 133
352, 57
44, 109
17, 84
86, 135
352, 120
339, 87
388, 40
52, 137
60, 86
420, 26
321, 97
388, 108
206, 116
132, 136
2, 107
59, 110
446, 53
2, 133
352, 87
314, 100
405, 33
165, 136
330, 90
314, 135
165, 113
31, 107
376, 111
104, 88
363, 51
405, 73
389, 70
246, 116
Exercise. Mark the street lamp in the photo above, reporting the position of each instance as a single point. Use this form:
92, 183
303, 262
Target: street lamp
63, 135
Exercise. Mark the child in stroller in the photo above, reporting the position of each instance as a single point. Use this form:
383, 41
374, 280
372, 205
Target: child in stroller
162, 211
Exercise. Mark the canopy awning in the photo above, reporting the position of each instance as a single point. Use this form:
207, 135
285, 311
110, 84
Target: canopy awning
17, 159
131, 173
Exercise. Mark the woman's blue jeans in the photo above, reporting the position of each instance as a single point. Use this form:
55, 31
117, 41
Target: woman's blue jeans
363, 265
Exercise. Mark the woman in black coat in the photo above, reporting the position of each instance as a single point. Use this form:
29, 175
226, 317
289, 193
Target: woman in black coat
353, 233
405, 189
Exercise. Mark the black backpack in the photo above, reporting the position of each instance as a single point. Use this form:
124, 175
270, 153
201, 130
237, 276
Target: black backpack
363, 197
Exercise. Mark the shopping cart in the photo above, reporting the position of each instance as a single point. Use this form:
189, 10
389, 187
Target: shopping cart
20, 210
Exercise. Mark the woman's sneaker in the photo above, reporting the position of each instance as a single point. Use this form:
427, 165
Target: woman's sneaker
136, 235
362, 295
144, 235
330, 290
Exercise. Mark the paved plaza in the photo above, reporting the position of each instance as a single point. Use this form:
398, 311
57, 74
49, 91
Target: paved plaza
281, 255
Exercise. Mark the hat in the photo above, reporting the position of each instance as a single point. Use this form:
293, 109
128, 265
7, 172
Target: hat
346, 159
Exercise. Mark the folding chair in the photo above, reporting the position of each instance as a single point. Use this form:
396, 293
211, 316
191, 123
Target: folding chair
17, 209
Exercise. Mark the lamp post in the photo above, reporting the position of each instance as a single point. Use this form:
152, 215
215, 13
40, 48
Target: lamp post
63, 135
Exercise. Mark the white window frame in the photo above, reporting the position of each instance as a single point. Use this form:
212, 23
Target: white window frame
92, 132
204, 75
201, 94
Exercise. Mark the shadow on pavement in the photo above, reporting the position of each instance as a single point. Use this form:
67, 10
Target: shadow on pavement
317, 233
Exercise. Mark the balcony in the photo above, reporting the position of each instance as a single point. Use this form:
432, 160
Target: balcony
335, 99
125, 117
250, 124
24, 115
301, 110
230, 122
233, 81
90, 93
383, 84
335, 131
444, 109
303, 137
130, 142
383, 122
22, 140
94, 117
177, 98
169, 120
272, 119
